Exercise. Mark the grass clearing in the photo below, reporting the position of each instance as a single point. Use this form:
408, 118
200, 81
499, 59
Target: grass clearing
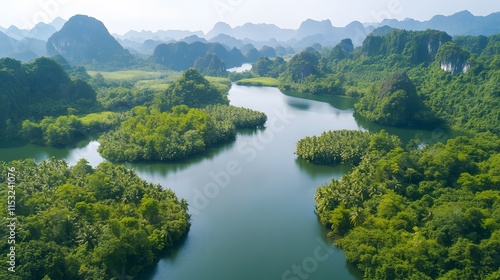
131, 75
259, 82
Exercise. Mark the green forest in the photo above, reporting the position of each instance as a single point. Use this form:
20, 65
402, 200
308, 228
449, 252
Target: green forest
151, 135
81, 222
428, 212
37, 90
347, 147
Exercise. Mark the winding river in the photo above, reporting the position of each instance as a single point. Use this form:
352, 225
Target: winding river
252, 201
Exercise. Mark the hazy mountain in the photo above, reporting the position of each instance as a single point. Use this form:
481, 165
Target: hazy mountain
220, 28
84, 40
323, 32
227, 40
162, 35
311, 27
309, 32
42, 31
58, 23
194, 38
16, 33
252, 31
25, 49
7, 45
461, 23
181, 55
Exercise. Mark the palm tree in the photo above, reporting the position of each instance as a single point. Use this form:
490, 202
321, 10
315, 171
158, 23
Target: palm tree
357, 216
87, 236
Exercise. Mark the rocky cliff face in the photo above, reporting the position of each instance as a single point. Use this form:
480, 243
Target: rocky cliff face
455, 67
453, 58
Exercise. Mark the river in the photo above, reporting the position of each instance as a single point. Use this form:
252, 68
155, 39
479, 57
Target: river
251, 201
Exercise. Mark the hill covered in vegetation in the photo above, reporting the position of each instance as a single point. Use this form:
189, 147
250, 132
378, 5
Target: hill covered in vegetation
38, 89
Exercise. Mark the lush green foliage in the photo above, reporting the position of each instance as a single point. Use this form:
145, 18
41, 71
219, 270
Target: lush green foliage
343, 146
38, 89
417, 46
240, 117
84, 223
305, 72
265, 67
463, 97
210, 65
430, 212
65, 130
397, 104
152, 135
155, 136
193, 90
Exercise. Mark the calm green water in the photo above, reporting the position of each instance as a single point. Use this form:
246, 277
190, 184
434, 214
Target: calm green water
252, 201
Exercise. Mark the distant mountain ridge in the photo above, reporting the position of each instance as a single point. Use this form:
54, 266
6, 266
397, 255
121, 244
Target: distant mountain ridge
25, 44
323, 32
461, 23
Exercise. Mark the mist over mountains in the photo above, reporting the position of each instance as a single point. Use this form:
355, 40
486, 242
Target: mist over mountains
248, 39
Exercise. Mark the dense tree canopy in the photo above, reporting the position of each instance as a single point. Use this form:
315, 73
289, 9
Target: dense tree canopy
193, 90
154, 136
211, 65
265, 67
396, 104
430, 212
343, 146
88, 223
65, 130
38, 89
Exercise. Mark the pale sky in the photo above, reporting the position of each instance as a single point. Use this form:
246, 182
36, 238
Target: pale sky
121, 16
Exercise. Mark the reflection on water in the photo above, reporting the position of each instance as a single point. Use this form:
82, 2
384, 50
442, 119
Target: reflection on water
338, 102
319, 171
163, 169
